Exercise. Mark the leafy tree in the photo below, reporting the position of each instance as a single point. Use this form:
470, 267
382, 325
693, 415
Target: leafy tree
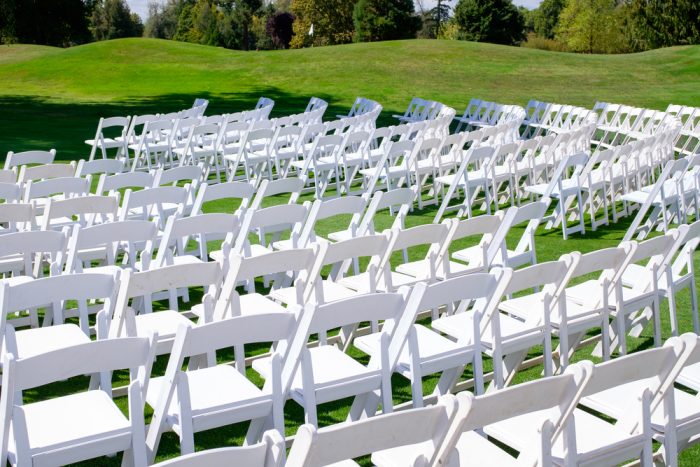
280, 29
331, 19
112, 19
47, 22
380, 20
496, 21
591, 26
663, 23
163, 19
546, 17
528, 19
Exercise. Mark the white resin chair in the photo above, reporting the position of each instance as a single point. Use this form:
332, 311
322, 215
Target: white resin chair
624, 389
139, 288
317, 375
240, 195
79, 426
213, 395
553, 398
15, 160
119, 126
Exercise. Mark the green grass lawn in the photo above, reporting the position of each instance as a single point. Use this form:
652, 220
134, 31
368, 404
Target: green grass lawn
53, 98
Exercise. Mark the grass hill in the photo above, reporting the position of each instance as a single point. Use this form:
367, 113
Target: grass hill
53, 97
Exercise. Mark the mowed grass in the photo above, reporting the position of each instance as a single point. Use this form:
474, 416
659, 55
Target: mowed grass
52, 98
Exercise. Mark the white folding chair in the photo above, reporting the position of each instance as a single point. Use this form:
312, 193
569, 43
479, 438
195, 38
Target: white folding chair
45, 171
16, 217
316, 375
212, 395
115, 138
554, 399
79, 426
139, 287
290, 187
624, 389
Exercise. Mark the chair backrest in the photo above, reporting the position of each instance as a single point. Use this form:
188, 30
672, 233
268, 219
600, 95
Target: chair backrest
87, 209
268, 188
557, 396
272, 220
424, 426
56, 291
150, 203
531, 213
486, 226
229, 190
112, 183
320, 210
99, 166
92, 357
17, 216
200, 228
66, 186
132, 237
434, 235
45, 171
16, 159
32, 246
381, 200
189, 173
267, 453
145, 283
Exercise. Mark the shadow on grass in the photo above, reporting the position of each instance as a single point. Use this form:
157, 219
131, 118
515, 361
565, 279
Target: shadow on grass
29, 122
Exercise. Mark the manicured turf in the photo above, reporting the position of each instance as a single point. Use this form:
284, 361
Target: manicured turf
54, 97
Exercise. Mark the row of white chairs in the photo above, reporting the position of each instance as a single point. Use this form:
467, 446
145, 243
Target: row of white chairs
618, 124
688, 140
211, 394
544, 117
480, 113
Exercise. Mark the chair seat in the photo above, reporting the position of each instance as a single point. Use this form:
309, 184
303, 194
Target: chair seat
332, 291
432, 347
253, 303
213, 389
461, 327
524, 307
582, 293
330, 366
593, 435
86, 416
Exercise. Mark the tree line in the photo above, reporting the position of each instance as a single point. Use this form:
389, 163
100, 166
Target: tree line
587, 26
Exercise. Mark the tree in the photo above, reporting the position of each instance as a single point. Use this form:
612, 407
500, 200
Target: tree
496, 21
112, 19
590, 26
663, 23
546, 17
47, 22
163, 19
381, 20
331, 19
280, 29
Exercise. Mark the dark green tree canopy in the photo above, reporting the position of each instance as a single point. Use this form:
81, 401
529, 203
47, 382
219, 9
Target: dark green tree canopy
112, 19
546, 17
47, 22
496, 21
663, 23
381, 20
